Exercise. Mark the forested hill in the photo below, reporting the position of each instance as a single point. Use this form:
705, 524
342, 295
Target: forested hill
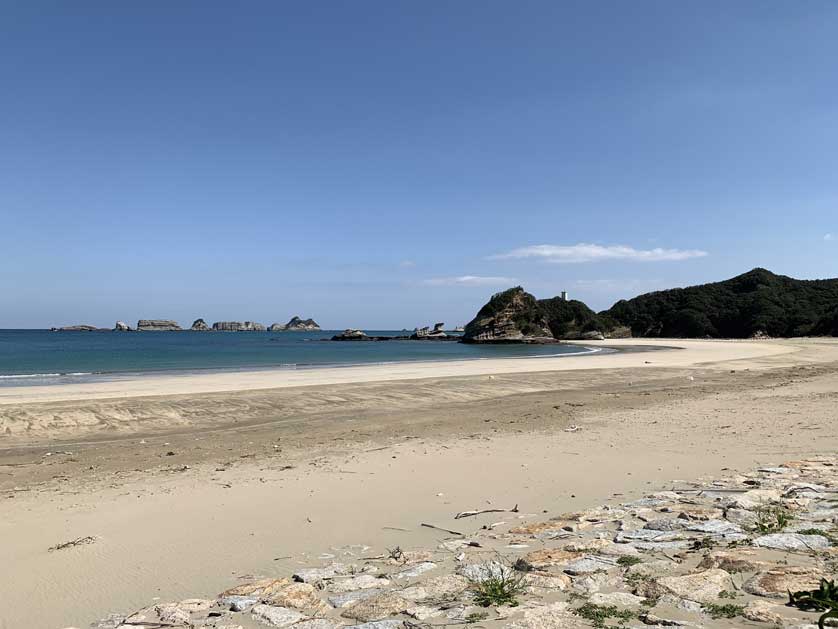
757, 302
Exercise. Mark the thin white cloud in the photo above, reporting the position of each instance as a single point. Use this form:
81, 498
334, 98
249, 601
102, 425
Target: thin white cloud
470, 280
828, 237
407, 264
587, 252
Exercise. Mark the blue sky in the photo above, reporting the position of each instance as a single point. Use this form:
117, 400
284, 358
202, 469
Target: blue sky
390, 164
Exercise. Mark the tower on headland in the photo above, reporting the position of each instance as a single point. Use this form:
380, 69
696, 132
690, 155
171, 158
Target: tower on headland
564, 295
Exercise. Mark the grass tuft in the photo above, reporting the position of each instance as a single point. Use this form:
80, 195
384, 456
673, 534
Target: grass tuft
499, 590
628, 560
728, 610
599, 614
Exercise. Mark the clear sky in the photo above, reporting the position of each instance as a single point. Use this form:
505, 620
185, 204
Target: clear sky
390, 164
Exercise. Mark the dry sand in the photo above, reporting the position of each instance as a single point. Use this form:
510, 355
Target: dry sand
290, 465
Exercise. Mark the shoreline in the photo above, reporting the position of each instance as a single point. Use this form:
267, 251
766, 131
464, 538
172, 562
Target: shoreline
6, 380
691, 353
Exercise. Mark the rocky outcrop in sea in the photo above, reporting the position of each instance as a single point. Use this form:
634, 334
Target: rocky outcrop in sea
77, 328
296, 324
199, 325
718, 553
237, 326
121, 326
351, 334
426, 333
158, 325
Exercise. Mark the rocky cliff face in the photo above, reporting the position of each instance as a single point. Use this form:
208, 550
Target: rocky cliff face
121, 326
199, 325
158, 325
511, 316
237, 326
276, 327
298, 324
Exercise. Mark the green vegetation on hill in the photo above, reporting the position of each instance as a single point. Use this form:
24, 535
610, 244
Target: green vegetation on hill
569, 318
757, 302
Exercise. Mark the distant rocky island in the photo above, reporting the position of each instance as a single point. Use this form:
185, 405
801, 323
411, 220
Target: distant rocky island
296, 324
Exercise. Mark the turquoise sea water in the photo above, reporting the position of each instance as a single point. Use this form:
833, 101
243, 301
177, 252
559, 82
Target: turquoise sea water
44, 357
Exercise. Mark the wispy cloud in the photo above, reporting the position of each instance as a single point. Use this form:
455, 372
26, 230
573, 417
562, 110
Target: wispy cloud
407, 264
828, 237
470, 280
587, 252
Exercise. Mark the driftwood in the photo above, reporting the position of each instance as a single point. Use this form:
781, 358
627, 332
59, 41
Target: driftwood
438, 528
76, 542
468, 514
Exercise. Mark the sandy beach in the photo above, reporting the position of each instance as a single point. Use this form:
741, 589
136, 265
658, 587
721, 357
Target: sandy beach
188, 483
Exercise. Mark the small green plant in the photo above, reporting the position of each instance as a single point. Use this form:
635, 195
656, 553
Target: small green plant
598, 614
499, 589
728, 610
824, 599
702, 544
628, 560
820, 532
772, 518
728, 594
474, 617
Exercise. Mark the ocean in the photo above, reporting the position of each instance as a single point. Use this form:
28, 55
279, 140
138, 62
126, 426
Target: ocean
37, 357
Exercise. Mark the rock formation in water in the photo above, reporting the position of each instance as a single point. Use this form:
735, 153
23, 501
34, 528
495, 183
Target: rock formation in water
351, 334
302, 325
199, 325
77, 328
424, 334
121, 326
237, 326
276, 327
158, 325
